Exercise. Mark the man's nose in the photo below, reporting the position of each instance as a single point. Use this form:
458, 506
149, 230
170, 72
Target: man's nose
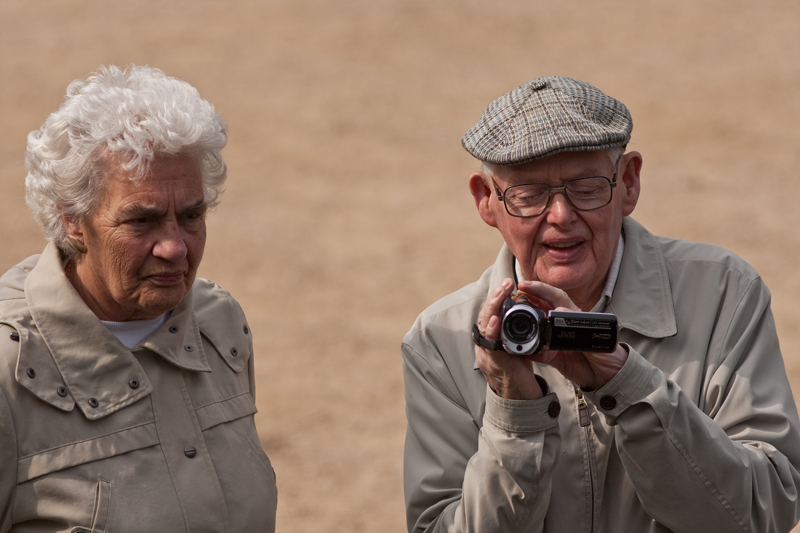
560, 210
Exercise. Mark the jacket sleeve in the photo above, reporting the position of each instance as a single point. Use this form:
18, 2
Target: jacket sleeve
730, 466
8, 462
460, 477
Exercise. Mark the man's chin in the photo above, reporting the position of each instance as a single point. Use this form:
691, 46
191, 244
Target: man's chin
567, 279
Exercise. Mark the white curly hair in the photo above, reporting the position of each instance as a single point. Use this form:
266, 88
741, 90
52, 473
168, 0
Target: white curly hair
138, 113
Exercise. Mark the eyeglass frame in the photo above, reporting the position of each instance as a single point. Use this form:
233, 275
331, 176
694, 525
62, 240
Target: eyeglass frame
501, 197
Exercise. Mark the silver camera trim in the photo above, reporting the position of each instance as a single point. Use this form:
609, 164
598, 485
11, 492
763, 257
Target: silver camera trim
536, 341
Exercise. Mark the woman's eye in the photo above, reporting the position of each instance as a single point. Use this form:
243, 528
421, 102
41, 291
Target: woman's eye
142, 221
193, 217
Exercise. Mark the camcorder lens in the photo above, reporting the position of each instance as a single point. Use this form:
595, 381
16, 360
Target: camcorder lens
520, 326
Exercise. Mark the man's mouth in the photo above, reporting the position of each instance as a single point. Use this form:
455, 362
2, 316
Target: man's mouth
562, 244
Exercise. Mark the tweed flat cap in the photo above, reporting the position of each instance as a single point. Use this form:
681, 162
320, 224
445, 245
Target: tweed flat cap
544, 117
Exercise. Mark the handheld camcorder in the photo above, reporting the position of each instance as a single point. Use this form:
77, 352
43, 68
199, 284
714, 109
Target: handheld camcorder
527, 330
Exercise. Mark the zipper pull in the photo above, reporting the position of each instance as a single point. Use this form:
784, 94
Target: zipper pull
583, 409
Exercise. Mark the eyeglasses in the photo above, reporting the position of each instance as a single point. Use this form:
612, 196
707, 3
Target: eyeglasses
532, 199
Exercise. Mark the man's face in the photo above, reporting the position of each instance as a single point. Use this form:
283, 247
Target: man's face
569, 249
144, 240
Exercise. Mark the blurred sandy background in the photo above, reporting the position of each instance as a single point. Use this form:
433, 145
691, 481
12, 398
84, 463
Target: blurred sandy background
347, 210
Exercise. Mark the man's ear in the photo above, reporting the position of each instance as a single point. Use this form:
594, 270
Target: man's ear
629, 175
482, 194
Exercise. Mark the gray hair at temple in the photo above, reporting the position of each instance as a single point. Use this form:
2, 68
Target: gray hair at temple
135, 115
489, 170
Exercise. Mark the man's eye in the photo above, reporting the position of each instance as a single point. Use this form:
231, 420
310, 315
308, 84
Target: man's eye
527, 197
585, 191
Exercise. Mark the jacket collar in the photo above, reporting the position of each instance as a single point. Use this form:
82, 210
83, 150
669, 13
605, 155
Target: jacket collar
90, 362
642, 298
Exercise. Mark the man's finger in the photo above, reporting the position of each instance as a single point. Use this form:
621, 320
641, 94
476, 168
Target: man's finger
553, 296
493, 328
491, 309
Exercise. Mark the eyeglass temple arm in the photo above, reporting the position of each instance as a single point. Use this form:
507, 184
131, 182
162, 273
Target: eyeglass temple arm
497, 191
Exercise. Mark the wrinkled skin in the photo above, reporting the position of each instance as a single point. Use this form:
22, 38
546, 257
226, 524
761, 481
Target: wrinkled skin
144, 241
564, 253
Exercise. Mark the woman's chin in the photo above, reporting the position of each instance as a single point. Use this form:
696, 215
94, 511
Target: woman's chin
156, 301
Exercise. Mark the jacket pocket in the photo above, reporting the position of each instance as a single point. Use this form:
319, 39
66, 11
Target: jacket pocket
225, 411
86, 451
257, 450
102, 503
243, 469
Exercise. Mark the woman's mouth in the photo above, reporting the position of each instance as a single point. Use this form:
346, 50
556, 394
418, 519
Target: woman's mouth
167, 278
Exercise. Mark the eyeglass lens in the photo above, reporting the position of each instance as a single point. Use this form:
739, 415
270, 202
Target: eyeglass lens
532, 199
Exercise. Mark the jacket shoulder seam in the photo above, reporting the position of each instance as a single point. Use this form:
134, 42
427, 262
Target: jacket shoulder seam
427, 316
735, 312
453, 393
752, 275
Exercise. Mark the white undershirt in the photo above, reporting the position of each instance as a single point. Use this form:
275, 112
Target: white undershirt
133, 332
611, 281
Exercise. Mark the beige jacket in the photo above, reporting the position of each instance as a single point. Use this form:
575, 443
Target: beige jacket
96, 437
697, 432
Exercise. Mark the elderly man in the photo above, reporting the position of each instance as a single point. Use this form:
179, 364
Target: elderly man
688, 425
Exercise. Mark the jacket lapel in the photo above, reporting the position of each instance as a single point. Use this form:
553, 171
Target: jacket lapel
642, 297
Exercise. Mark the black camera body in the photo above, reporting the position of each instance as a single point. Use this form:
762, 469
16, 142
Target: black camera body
527, 330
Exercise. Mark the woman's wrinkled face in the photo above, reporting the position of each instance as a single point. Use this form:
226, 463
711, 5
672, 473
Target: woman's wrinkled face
144, 240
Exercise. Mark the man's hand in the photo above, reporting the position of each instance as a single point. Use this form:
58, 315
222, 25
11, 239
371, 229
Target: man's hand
510, 376
588, 370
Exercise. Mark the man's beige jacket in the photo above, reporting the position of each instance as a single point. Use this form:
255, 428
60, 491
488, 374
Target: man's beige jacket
97, 437
697, 432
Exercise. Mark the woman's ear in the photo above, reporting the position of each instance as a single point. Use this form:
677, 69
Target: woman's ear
75, 237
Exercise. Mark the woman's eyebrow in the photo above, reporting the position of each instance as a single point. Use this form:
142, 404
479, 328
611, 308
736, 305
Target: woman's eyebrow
196, 208
145, 211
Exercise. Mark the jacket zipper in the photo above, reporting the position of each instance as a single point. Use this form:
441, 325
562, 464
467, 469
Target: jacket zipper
583, 409
585, 423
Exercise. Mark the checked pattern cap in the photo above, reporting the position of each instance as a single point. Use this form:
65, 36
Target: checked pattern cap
544, 117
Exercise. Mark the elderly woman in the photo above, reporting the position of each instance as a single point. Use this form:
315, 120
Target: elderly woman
126, 385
